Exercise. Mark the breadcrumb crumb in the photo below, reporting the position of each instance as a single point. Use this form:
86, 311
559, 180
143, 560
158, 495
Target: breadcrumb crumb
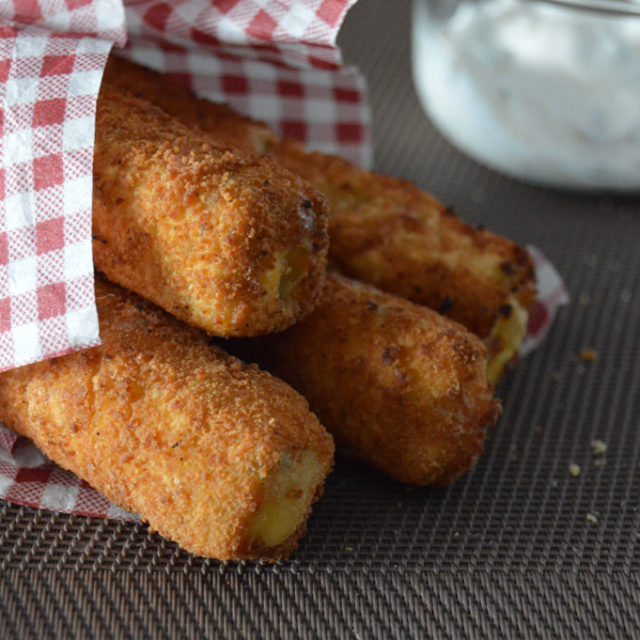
588, 355
574, 469
598, 447
591, 518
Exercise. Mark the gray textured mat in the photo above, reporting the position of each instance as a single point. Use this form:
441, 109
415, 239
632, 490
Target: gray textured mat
506, 552
247, 604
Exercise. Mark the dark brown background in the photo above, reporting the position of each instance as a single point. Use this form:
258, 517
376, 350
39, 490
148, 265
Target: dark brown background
507, 552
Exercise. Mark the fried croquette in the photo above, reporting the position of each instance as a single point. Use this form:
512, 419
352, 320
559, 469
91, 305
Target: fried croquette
383, 230
215, 455
399, 386
388, 233
225, 241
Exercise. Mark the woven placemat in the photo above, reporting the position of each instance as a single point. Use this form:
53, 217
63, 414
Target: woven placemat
235, 604
519, 547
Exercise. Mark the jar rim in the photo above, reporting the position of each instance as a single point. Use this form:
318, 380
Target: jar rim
611, 7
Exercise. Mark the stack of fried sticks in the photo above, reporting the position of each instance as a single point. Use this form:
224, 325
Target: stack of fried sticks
390, 317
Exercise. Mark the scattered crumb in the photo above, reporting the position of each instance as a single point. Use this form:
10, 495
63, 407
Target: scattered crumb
348, 549
589, 355
598, 447
599, 463
574, 469
591, 518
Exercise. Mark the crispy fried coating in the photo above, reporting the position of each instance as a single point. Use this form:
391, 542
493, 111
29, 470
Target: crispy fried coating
232, 128
383, 230
216, 455
398, 386
388, 233
225, 241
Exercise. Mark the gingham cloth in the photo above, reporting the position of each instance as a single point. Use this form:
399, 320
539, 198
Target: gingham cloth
26, 477
48, 87
274, 61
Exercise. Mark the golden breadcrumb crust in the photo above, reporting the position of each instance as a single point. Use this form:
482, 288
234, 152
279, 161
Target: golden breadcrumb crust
397, 385
234, 129
223, 240
387, 232
170, 427
383, 230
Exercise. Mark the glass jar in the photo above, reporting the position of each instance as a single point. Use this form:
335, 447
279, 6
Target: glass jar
542, 90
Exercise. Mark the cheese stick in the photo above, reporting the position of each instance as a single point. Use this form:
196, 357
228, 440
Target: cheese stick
383, 230
214, 454
399, 386
225, 241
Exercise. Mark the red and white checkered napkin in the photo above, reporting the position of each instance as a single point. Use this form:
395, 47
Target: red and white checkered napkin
26, 477
552, 295
273, 60
48, 86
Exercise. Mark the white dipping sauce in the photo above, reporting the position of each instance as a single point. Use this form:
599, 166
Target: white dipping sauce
540, 92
